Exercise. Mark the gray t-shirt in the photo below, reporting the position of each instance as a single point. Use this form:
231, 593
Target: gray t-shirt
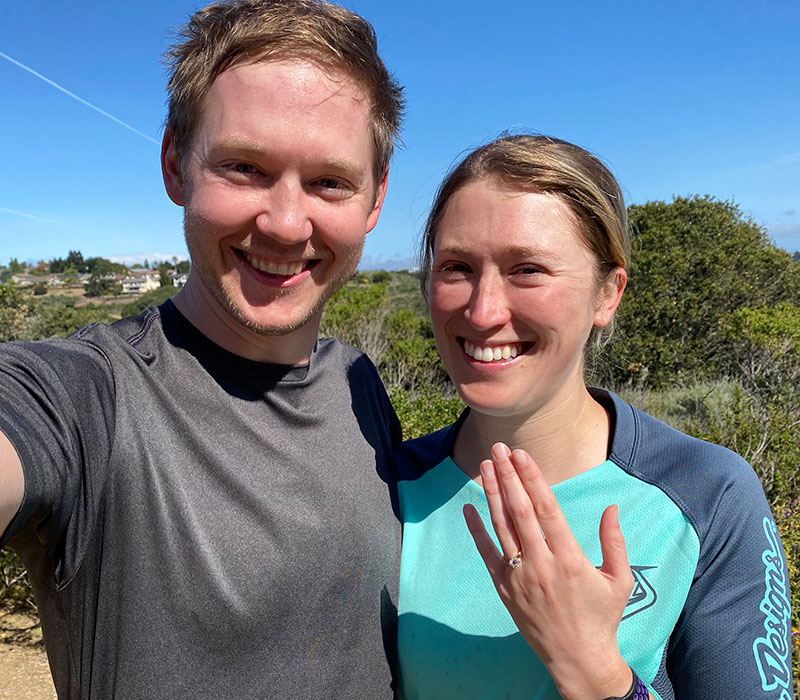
198, 525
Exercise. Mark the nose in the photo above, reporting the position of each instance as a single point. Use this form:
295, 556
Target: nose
285, 217
488, 306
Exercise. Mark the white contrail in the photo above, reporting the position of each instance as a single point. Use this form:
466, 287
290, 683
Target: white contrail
26, 215
74, 96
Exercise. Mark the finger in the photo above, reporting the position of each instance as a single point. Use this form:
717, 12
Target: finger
518, 502
612, 545
492, 558
502, 521
553, 526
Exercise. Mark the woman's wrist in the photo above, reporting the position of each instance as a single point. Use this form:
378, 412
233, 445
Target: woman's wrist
637, 691
607, 680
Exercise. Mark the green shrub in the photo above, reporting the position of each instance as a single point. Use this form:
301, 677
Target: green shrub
152, 298
425, 411
12, 312
695, 260
381, 276
15, 590
58, 316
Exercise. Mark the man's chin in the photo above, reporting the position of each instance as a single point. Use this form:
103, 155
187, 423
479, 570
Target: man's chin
272, 326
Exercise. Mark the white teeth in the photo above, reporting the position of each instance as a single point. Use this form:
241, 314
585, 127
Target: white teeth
283, 269
491, 354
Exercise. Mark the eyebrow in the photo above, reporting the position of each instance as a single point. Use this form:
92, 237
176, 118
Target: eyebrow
513, 251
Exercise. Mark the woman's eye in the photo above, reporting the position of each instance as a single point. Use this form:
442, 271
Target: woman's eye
454, 267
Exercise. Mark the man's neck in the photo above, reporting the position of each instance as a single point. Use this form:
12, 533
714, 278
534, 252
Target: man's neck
217, 323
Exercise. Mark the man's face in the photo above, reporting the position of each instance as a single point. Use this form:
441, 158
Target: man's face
278, 191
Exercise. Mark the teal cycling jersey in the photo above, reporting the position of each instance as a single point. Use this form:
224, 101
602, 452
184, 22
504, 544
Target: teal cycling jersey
708, 616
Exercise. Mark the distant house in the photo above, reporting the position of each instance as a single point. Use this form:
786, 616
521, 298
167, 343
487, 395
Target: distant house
140, 281
25, 280
178, 278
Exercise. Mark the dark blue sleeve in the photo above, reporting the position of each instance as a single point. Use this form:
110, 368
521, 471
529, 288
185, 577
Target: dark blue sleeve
733, 639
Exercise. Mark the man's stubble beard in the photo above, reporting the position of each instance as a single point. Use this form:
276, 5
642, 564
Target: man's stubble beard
218, 291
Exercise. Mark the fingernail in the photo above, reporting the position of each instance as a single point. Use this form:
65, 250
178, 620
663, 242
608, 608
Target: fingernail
501, 449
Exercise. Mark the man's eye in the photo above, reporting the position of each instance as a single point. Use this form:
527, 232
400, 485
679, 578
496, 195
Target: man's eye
245, 168
330, 183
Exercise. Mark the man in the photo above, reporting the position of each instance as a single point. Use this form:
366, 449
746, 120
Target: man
200, 492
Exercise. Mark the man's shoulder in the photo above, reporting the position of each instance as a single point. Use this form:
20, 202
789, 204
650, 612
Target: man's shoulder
331, 354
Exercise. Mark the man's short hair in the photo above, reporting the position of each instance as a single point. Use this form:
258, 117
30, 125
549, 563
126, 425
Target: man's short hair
227, 33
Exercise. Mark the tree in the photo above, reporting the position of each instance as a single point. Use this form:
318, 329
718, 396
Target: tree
100, 284
58, 265
694, 261
75, 261
15, 267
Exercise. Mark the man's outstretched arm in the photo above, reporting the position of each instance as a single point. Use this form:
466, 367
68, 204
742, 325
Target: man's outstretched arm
12, 482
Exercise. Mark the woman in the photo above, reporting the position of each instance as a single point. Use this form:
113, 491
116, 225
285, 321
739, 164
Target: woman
524, 261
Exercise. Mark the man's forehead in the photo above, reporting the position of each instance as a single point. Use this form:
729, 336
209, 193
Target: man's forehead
322, 69
288, 107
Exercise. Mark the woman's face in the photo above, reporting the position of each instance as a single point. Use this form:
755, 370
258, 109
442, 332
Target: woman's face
513, 297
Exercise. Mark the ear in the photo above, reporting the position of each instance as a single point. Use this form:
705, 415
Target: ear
609, 296
171, 169
380, 195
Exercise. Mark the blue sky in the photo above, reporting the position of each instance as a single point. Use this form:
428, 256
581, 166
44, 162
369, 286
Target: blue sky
678, 98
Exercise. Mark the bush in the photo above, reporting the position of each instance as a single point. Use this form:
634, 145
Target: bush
356, 315
15, 590
424, 412
152, 298
694, 261
12, 312
59, 316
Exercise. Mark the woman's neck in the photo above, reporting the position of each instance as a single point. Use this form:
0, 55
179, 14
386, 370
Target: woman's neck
565, 438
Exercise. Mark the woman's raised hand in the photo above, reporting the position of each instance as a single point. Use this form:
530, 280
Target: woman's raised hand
567, 610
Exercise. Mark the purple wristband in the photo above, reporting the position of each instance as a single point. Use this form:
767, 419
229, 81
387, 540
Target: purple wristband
638, 690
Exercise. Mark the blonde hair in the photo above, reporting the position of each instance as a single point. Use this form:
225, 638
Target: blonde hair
236, 31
